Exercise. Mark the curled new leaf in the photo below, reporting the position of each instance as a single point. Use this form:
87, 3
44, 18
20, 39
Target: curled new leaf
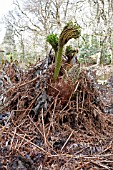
70, 52
52, 39
71, 30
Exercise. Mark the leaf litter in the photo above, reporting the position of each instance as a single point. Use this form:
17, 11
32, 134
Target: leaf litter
46, 125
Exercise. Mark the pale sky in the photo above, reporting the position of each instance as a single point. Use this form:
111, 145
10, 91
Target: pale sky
5, 6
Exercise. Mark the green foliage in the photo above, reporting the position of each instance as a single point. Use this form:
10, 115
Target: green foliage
71, 30
90, 46
69, 48
106, 57
9, 40
70, 52
53, 40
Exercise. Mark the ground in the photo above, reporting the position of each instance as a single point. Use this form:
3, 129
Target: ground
55, 125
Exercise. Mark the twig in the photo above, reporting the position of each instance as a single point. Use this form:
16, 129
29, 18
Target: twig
83, 166
100, 165
45, 140
109, 147
67, 140
21, 142
81, 156
28, 109
40, 148
77, 102
13, 138
35, 125
83, 100
53, 113
19, 86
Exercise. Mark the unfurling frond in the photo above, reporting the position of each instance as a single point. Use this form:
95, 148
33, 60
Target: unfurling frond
71, 30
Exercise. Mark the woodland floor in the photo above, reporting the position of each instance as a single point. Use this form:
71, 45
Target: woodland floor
47, 125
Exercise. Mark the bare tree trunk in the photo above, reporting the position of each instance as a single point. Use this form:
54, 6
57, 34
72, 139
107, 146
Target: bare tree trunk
99, 58
4, 56
110, 44
22, 48
111, 53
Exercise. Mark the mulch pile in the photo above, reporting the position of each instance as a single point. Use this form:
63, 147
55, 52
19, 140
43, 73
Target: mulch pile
47, 125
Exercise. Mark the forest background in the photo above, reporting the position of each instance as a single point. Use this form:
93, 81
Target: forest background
30, 21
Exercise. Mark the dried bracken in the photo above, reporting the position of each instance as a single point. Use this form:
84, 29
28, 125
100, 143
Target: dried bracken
54, 125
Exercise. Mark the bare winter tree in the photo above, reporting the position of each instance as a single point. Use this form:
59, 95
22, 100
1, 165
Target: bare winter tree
14, 19
102, 14
45, 17
33, 20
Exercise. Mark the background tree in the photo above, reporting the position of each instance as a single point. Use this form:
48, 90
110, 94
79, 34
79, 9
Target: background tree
33, 20
102, 24
9, 41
